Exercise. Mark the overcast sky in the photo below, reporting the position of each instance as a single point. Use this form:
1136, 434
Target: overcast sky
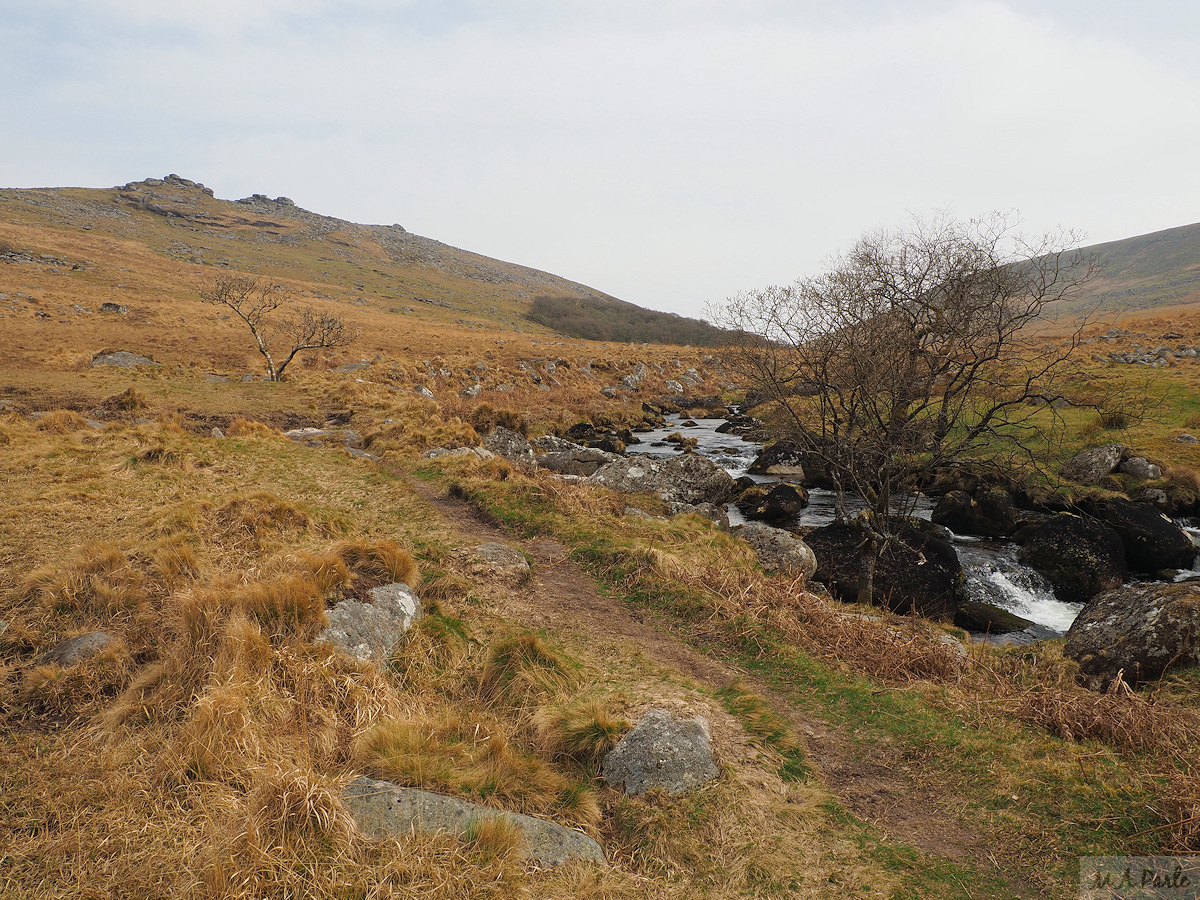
668, 152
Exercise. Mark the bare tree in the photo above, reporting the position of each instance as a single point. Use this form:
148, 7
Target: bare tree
256, 302
915, 349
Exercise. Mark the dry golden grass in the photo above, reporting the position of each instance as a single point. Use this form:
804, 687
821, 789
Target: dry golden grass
524, 667
583, 731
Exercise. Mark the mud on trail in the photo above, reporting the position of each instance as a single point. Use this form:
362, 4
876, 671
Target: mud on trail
891, 797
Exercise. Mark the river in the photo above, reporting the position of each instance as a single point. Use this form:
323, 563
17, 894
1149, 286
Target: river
992, 571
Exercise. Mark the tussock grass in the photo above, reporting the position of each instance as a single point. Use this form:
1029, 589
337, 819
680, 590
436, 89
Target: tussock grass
260, 516
492, 837
525, 666
129, 400
99, 580
583, 731
378, 561
61, 421
249, 428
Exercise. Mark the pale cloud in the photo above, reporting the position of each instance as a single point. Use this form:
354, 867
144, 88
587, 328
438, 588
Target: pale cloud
669, 153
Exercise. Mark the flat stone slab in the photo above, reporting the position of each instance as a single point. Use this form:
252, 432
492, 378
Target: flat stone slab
382, 809
316, 437
122, 359
77, 649
663, 752
369, 631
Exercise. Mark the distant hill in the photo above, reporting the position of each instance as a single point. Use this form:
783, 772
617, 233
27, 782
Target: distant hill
190, 233
605, 319
1144, 272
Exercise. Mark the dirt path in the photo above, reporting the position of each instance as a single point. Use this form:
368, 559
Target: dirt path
873, 787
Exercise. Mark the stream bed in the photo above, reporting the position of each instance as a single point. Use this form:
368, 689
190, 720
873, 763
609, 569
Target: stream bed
994, 575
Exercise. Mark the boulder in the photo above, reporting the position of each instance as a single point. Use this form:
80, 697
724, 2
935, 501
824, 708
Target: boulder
772, 503
77, 649
381, 809
678, 479
122, 359
713, 511
552, 443
501, 560
984, 618
918, 573
509, 444
1141, 468
580, 461
1079, 557
369, 631
781, 458
1143, 629
778, 550
662, 753
991, 514
1152, 541
1091, 465
472, 391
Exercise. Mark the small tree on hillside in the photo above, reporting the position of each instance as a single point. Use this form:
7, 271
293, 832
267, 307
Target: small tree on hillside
917, 348
256, 302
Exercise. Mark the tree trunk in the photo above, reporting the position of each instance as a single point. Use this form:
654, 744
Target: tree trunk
868, 556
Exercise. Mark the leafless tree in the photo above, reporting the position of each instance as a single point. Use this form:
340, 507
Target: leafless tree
257, 302
917, 348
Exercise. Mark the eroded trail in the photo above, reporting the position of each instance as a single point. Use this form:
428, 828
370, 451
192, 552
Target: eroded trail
866, 779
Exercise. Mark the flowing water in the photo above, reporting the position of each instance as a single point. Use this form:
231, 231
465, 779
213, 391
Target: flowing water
993, 572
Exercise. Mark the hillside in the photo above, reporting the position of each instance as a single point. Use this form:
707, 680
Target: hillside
1145, 272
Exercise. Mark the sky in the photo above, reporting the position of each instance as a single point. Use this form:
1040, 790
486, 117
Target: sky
668, 152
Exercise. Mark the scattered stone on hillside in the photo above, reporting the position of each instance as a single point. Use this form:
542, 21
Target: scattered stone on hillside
77, 649
714, 511
1091, 465
641, 514
583, 461
920, 572
353, 367
509, 444
979, 617
772, 503
778, 550
674, 387
369, 631
218, 433
633, 381
480, 452
1143, 629
320, 437
680, 479
472, 392
662, 753
991, 514
109, 307
1141, 468
1156, 497
1152, 541
505, 388
501, 560
122, 359
1187, 439
362, 454
1079, 557
381, 809
422, 391
609, 391
552, 443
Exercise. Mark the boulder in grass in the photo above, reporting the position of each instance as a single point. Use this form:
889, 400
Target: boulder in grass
368, 631
1091, 465
1140, 630
122, 359
663, 752
381, 809
778, 550
678, 479
509, 444
78, 649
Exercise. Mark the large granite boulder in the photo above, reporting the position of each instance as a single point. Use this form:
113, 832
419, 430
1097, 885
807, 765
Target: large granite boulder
122, 359
772, 503
509, 445
1079, 557
1143, 629
1091, 465
381, 809
579, 461
1152, 541
919, 572
369, 631
679, 479
1141, 468
990, 514
551, 443
980, 617
663, 752
778, 550
783, 458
